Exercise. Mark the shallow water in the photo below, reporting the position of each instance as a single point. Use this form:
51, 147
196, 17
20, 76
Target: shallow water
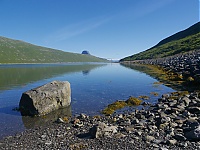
93, 86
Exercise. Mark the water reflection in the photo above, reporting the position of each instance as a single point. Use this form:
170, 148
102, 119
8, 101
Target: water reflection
93, 88
170, 83
86, 72
30, 122
14, 75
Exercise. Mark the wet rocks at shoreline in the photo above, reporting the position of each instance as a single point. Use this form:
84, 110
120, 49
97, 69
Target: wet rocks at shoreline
186, 65
172, 123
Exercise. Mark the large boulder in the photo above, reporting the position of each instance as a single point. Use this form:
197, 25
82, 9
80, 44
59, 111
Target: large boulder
45, 99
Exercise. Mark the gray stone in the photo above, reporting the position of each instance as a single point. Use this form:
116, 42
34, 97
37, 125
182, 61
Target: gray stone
180, 137
149, 138
45, 99
129, 129
163, 148
186, 100
156, 141
172, 142
190, 124
135, 121
138, 133
194, 110
193, 134
102, 130
60, 120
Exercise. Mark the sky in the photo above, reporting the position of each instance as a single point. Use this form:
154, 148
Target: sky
111, 29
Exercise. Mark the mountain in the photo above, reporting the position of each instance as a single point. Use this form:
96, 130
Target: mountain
15, 51
181, 42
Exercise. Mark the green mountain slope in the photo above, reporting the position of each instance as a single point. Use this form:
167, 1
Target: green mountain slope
15, 51
180, 42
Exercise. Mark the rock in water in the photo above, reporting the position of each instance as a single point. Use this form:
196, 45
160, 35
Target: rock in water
45, 99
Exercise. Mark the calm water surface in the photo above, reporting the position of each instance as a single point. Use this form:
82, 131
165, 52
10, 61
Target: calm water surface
93, 86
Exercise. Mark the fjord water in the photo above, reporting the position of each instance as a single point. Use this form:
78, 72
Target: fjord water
93, 87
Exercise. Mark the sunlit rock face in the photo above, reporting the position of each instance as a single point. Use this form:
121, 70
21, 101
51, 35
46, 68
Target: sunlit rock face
45, 99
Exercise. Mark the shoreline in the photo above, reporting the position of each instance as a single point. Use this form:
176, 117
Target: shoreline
169, 124
184, 65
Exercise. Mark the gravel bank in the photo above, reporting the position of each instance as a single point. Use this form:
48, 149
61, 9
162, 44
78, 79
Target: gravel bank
172, 123
186, 65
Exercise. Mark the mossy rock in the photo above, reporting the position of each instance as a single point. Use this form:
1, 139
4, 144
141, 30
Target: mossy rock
144, 97
178, 94
133, 101
111, 108
154, 93
157, 83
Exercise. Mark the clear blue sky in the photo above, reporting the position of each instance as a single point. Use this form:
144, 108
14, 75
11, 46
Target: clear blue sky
106, 28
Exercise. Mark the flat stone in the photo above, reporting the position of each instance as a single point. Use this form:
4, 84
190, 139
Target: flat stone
149, 138
172, 142
102, 130
48, 143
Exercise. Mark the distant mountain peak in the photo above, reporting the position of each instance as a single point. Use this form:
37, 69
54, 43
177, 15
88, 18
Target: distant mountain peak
85, 52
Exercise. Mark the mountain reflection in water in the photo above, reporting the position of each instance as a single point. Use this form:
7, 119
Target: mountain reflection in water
21, 74
93, 86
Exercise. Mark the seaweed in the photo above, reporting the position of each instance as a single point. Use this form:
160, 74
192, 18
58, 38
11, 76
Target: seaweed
111, 108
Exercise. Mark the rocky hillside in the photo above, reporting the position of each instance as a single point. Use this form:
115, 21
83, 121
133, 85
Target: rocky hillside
15, 51
180, 42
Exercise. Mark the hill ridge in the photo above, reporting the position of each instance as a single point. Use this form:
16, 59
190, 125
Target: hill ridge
194, 29
17, 51
179, 42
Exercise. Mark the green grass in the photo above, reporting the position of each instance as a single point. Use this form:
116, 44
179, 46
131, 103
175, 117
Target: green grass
14, 51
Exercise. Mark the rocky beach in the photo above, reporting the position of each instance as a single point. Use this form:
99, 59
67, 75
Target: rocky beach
172, 123
186, 65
